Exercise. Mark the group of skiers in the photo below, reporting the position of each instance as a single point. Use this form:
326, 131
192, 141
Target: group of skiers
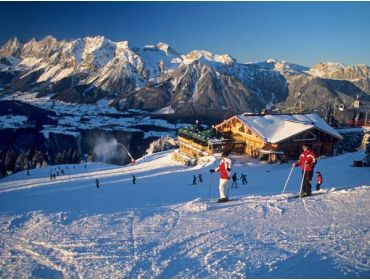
243, 177
56, 173
307, 161
200, 178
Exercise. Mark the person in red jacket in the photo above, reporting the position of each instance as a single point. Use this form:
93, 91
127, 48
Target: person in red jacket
318, 180
306, 161
223, 169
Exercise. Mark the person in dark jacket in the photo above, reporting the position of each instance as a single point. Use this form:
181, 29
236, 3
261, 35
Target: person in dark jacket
318, 180
243, 177
97, 183
133, 179
194, 180
200, 178
234, 181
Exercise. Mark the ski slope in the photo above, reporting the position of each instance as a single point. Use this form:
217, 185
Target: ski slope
165, 227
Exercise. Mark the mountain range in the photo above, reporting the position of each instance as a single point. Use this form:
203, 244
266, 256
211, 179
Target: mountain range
161, 80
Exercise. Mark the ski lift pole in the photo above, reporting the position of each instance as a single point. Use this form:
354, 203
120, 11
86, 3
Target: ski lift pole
132, 159
287, 180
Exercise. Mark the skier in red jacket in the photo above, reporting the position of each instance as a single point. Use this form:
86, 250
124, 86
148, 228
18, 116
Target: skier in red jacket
306, 161
223, 169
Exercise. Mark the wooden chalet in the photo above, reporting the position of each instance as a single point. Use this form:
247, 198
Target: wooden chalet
279, 136
271, 137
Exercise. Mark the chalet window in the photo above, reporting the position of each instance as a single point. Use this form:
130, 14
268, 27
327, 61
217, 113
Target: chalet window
242, 129
306, 136
249, 132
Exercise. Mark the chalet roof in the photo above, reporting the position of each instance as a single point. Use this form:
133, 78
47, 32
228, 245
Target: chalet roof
276, 128
195, 132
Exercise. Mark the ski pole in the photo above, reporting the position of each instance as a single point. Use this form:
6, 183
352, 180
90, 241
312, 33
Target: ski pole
210, 187
304, 172
287, 180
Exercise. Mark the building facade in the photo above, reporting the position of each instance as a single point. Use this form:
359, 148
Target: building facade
271, 137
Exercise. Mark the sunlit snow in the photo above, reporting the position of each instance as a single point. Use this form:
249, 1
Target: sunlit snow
165, 227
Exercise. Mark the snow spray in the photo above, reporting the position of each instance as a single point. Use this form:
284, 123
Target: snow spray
109, 150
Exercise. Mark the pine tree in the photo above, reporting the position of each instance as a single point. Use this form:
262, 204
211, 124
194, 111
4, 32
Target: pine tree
75, 158
10, 159
37, 159
26, 163
69, 156
367, 155
19, 164
2, 164
59, 158
64, 156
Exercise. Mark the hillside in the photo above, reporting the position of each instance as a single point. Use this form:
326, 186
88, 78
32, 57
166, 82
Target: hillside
164, 227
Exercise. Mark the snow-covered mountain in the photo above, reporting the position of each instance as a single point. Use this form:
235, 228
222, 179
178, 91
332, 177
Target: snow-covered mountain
158, 78
164, 227
337, 71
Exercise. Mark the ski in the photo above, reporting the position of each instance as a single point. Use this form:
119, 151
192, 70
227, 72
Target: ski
230, 200
298, 196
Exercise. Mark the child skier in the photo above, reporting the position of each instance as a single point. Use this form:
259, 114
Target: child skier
243, 177
318, 180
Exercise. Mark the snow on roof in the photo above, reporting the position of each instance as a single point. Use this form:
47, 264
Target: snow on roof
275, 128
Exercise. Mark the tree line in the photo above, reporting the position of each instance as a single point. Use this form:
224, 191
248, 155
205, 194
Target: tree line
12, 161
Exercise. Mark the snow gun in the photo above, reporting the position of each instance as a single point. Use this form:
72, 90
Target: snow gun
132, 159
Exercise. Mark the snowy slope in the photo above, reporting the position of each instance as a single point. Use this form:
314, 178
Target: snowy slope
164, 227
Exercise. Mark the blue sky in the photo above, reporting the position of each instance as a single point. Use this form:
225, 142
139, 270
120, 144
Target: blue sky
301, 32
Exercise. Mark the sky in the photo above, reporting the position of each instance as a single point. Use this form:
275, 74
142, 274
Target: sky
305, 33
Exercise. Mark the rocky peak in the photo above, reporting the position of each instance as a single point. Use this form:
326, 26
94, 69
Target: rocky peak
337, 71
41, 49
283, 67
207, 57
11, 48
167, 49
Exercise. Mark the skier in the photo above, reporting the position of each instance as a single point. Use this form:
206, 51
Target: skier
234, 181
133, 179
200, 178
54, 176
28, 172
318, 180
223, 169
194, 180
97, 183
243, 177
306, 161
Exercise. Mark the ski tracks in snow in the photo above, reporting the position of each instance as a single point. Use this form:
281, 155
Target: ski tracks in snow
238, 239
